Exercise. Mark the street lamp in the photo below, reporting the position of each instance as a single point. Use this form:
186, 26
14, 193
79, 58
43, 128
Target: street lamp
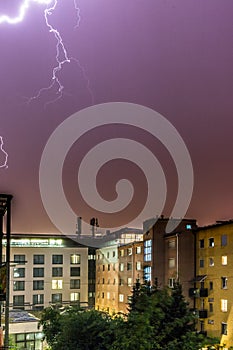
5, 208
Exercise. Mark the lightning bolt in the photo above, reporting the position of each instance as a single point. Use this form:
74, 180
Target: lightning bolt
62, 57
4, 164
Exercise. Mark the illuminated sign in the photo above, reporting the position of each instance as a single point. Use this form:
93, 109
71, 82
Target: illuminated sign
36, 242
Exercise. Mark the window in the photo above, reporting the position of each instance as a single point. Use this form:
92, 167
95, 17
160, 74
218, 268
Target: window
19, 272
107, 255
108, 295
103, 281
103, 267
121, 267
122, 252
102, 295
171, 243
75, 296
138, 265
147, 250
171, 263
121, 298
211, 285
129, 266
121, 282
75, 284
223, 240
129, 281
202, 243
129, 251
147, 273
109, 266
57, 298
224, 328
19, 259
211, 242
18, 300
75, 271
171, 282
57, 284
114, 267
113, 254
57, 272
188, 227
38, 285
18, 285
211, 307
114, 281
108, 280
138, 250
224, 282
224, 305
201, 263
38, 272
57, 259
224, 260
75, 259
38, 299
211, 261
38, 259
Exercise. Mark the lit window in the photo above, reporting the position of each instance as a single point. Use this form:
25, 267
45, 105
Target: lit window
121, 298
224, 260
129, 251
224, 282
188, 227
211, 261
223, 240
147, 250
129, 281
122, 252
138, 250
171, 263
171, 282
57, 284
75, 259
108, 295
224, 305
171, 243
211, 242
138, 265
121, 267
147, 273
74, 296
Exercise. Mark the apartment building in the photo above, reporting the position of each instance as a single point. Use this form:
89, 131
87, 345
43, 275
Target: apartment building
48, 269
212, 291
170, 256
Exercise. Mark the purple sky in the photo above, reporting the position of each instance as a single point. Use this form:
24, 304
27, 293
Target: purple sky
174, 56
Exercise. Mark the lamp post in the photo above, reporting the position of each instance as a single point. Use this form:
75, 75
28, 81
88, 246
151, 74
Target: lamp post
5, 208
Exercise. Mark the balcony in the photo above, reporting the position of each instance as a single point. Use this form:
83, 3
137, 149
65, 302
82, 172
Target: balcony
203, 292
203, 313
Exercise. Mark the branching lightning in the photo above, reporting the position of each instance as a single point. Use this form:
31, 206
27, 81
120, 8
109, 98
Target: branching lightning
4, 164
61, 57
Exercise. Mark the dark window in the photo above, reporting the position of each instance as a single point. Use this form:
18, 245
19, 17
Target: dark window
211, 307
18, 300
57, 298
19, 259
38, 272
108, 267
103, 267
129, 266
211, 285
38, 259
202, 243
103, 281
103, 295
57, 272
38, 299
75, 284
38, 285
19, 272
224, 328
211, 242
75, 271
201, 262
224, 282
57, 259
223, 240
113, 254
18, 285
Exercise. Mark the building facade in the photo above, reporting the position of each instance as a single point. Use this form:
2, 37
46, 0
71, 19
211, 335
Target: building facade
213, 285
